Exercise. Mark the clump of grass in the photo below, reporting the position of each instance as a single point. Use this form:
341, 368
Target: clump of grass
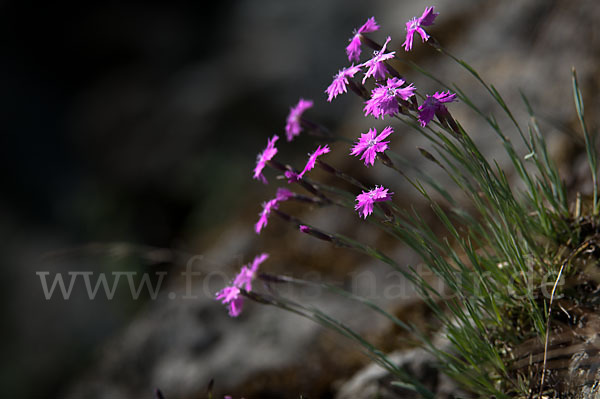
519, 264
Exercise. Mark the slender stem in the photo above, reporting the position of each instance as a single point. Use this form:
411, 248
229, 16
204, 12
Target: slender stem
589, 142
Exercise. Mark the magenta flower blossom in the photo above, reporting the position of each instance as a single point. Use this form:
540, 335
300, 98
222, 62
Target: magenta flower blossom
367, 199
340, 80
283, 194
263, 157
264, 214
291, 176
312, 159
353, 49
247, 273
384, 99
310, 164
369, 144
230, 295
376, 66
293, 127
304, 228
415, 26
434, 105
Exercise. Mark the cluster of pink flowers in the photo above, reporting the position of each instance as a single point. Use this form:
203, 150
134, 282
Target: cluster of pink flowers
390, 96
375, 67
386, 98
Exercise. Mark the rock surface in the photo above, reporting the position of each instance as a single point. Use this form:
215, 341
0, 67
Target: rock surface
375, 382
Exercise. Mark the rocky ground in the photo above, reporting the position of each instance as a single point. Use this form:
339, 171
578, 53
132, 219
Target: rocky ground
262, 55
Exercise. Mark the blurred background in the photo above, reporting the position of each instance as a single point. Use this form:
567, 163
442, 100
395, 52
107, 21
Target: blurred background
130, 135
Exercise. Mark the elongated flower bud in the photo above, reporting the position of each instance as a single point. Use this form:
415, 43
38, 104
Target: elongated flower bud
315, 233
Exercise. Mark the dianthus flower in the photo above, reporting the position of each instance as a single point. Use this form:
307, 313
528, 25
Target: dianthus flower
370, 144
353, 49
230, 295
247, 273
367, 199
340, 80
312, 159
264, 214
283, 194
293, 127
434, 105
384, 99
291, 176
415, 26
375, 65
263, 157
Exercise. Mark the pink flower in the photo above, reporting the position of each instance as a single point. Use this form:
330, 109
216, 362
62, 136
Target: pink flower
304, 228
367, 199
230, 295
293, 127
291, 176
313, 159
369, 144
353, 49
263, 157
310, 164
415, 26
340, 80
264, 214
247, 273
434, 105
375, 65
384, 99
283, 194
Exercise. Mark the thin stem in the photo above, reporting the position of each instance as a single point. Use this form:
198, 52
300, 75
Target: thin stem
589, 142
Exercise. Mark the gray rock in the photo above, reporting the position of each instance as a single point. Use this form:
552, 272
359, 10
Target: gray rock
375, 382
